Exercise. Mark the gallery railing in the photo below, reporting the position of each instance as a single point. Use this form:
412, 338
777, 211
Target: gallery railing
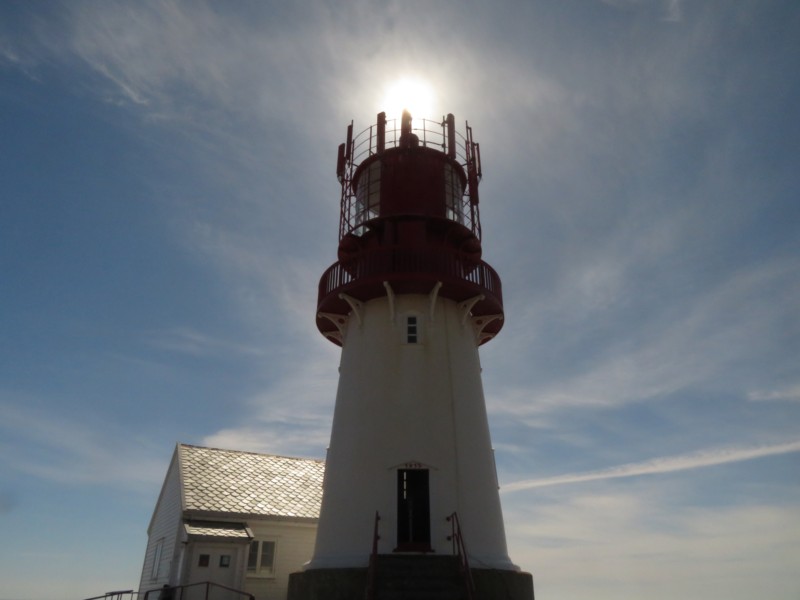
382, 263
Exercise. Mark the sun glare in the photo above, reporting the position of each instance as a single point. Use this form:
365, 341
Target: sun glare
414, 95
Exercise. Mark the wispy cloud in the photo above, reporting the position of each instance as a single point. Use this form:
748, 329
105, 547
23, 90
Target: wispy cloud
196, 343
128, 91
688, 342
8, 502
668, 464
291, 416
10, 57
673, 10
636, 545
192, 63
67, 451
790, 394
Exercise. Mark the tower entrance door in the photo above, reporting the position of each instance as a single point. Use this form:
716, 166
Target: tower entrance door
413, 511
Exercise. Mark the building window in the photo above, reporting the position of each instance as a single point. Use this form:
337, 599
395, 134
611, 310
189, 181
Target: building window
453, 194
203, 560
261, 559
224, 560
157, 558
412, 330
368, 193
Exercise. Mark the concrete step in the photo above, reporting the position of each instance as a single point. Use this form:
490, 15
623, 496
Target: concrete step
418, 577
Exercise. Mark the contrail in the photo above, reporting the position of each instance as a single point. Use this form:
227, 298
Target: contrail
667, 464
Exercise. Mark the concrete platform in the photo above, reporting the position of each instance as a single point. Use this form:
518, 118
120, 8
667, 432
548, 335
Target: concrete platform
404, 577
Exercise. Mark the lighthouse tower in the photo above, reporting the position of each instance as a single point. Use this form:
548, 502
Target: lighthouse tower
410, 469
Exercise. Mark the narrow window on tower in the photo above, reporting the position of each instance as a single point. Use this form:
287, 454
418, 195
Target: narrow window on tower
412, 331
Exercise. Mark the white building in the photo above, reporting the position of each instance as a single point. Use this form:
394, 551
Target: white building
241, 520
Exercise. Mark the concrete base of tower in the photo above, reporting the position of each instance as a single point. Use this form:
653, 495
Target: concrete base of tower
409, 578
494, 584
328, 584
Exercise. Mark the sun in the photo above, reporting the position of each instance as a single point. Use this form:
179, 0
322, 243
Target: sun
409, 93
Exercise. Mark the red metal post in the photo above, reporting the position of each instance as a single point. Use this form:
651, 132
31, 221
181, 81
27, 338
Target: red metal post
381, 132
348, 153
451, 135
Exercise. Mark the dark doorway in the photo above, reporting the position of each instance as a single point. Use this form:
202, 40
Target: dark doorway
413, 511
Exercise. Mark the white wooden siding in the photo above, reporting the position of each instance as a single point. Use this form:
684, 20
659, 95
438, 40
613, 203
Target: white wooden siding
294, 547
165, 525
232, 576
294, 541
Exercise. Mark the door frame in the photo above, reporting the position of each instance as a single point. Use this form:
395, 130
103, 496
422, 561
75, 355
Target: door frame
413, 510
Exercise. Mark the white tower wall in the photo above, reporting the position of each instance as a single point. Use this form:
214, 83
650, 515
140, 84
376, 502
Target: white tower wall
404, 405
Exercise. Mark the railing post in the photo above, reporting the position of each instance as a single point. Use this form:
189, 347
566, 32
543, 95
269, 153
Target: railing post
373, 557
381, 145
348, 153
450, 121
460, 549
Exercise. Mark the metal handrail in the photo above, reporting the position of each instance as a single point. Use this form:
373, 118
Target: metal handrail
460, 550
116, 595
431, 134
384, 261
373, 559
169, 592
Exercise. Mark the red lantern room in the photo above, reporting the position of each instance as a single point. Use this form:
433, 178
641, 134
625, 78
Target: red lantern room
409, 223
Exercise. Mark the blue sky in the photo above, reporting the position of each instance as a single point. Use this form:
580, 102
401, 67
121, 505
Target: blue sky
169, 201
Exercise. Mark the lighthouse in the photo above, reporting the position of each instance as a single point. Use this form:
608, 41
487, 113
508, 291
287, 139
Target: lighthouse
410, 482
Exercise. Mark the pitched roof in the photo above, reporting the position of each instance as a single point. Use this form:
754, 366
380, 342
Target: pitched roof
217, 531
236, 483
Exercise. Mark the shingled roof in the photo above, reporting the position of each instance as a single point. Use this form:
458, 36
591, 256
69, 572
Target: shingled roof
239, 484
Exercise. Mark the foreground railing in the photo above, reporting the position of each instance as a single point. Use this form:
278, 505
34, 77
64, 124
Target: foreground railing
190, 592
118, 595
460, 550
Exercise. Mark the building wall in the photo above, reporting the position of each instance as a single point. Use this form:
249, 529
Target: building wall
230, 575
176, 556
164, 531
294, 545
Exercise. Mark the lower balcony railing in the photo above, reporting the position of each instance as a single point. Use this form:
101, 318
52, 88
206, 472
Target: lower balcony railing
400, 263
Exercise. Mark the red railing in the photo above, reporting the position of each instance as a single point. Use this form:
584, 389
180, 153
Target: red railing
387, 133
386, 262
460, 550
438, 135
